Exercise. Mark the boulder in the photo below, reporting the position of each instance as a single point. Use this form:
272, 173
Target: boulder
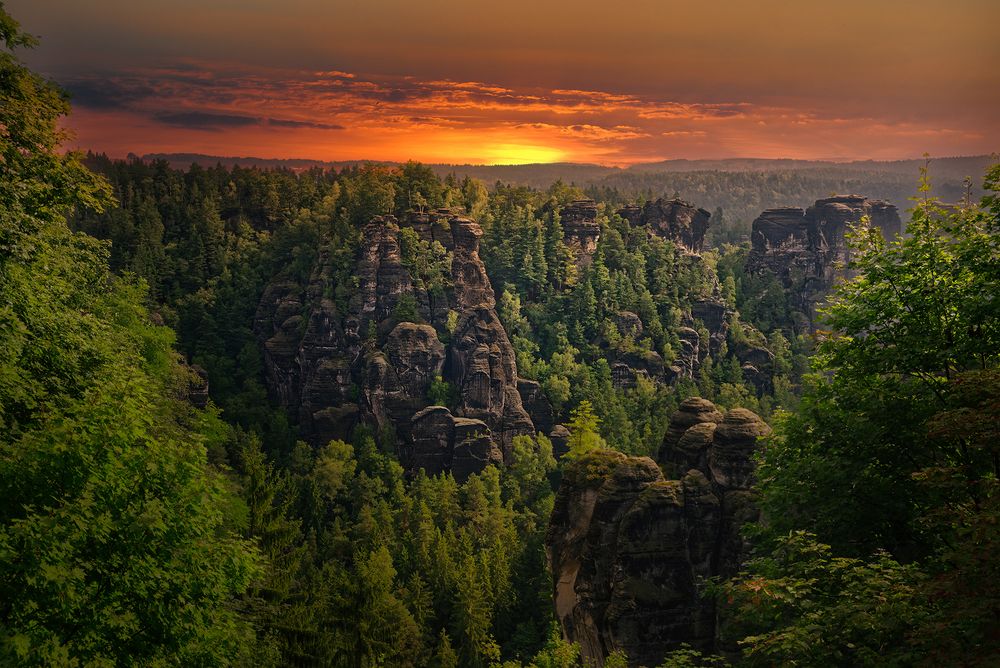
632, 365
441, 442
560, 440
628, 324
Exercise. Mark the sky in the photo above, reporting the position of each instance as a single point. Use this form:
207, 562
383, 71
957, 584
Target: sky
612, 82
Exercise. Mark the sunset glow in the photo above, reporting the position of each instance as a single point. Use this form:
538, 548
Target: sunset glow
662, 80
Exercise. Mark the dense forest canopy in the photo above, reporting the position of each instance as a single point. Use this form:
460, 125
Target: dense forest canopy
159, 505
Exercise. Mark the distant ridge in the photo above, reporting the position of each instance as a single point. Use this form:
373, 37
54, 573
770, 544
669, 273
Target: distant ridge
585, 173
740, 187
185, 160
971, 165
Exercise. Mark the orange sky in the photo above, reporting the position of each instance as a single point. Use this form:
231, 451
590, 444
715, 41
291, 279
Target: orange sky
514, 82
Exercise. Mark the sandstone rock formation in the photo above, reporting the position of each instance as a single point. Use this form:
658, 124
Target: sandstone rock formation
334, 365
536, 404
631, 366
806, 249
629, 545
581, 230
673, 219
442, 442
560, 440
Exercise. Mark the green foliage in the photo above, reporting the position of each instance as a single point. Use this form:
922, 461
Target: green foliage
406, 309
802, 605
903, 419
686, 657
441, 393
445, 656
583, 431
115, 538
428, 262
617, 659
918, 313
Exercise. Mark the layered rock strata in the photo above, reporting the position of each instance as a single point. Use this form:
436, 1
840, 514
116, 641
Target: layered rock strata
673, 219
629, 542
581, 231
806, 249
365, 359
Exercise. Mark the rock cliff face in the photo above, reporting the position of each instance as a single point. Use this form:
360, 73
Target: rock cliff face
368, 362
581, 230
673, 219
628, 541
806, 249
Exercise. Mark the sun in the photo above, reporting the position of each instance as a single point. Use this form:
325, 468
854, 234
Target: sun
520, 154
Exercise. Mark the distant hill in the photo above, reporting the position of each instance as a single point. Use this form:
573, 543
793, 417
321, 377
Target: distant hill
952, 166
542, 174
185, 160
741, 187
534, 174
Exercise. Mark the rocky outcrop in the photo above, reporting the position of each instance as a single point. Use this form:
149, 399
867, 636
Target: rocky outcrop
536, 404
441, 442
630, 366
628, 546
806, 248
560, 440
673, 219
716, 317
628, 324
688, 357
481, 367
373, 357
581, 230
397, 377
757, 363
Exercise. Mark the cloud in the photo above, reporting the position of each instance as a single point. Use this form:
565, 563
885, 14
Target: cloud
335, 74
285, 123
106, 94
588, 132
402, 117
699, 111
684, 133
211, 121
203, 120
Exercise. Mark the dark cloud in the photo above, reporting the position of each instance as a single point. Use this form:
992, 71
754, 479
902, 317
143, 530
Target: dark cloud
213, 121
283, 123
106, 94
204, 120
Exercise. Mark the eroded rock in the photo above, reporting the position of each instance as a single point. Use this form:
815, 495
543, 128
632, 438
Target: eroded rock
366, 361
441, 442
673, 219
629, 546
581, 230
806, 248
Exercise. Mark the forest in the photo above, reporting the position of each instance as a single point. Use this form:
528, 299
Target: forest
166, 500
